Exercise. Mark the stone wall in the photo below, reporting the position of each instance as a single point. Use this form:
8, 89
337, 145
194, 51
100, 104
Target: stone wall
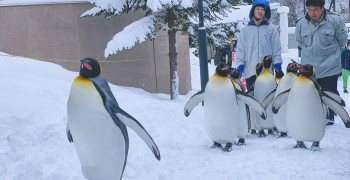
57, 32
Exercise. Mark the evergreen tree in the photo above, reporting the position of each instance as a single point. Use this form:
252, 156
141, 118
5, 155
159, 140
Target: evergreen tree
169, 15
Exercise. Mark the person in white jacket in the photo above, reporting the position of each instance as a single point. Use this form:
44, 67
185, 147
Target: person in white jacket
256, 40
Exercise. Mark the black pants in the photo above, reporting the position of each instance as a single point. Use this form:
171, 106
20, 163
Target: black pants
329, 83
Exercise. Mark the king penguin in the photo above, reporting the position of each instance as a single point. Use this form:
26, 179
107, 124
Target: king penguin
244, 112
221, 111
305, 117
97, 125
285, 82
265, 84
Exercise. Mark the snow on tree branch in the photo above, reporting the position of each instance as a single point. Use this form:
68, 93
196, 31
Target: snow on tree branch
140, 30
92, 12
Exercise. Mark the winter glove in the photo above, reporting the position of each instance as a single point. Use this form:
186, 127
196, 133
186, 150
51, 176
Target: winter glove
241, 69
278, 66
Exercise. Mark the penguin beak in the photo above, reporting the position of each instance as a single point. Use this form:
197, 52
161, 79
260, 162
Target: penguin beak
297, 68
87, 66
225, 68
295, 62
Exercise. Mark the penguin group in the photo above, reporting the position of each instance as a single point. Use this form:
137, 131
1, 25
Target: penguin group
291, 105
305, 114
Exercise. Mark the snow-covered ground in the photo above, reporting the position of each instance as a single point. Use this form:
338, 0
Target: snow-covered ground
33, 143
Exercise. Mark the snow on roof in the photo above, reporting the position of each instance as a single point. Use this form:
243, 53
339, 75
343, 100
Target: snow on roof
33, 2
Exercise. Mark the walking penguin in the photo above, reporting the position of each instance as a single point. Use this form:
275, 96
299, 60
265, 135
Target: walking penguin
97, 125
221, 112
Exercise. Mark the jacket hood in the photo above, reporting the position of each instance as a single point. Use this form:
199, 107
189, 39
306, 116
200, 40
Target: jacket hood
261, 2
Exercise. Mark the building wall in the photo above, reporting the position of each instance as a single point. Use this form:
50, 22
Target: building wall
57, 32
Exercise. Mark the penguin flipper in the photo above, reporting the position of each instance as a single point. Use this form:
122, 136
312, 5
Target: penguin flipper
251, 102
193, 102
132, 123
334, 96
279, 101
69, 135
331, 103
268, 99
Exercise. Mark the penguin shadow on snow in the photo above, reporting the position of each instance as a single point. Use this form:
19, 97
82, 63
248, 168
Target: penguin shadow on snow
97, 125
225, 108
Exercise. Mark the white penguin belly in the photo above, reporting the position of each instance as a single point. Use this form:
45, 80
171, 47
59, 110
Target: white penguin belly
304, 116
220, 111
263, 86
99, 143
242, 127
279, 119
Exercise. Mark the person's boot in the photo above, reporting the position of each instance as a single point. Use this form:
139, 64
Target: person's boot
345, 91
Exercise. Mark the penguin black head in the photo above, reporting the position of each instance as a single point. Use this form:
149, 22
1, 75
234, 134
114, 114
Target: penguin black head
279, 74
234, 73
267, 61
258, 68
293, 67
89, 68
307, 70
222, 69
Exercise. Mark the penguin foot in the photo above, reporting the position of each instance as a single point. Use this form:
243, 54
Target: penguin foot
241, 142
315, 146
216, 145
262, 133
282, 135
330, 120
270, 131
228, 147
300, 144
253, 131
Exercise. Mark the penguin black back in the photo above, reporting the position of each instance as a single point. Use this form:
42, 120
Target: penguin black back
90, 68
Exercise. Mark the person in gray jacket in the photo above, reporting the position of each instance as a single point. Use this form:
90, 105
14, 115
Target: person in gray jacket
321, 36
257, 40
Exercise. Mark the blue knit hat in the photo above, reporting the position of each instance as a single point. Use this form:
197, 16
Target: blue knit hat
263, 3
